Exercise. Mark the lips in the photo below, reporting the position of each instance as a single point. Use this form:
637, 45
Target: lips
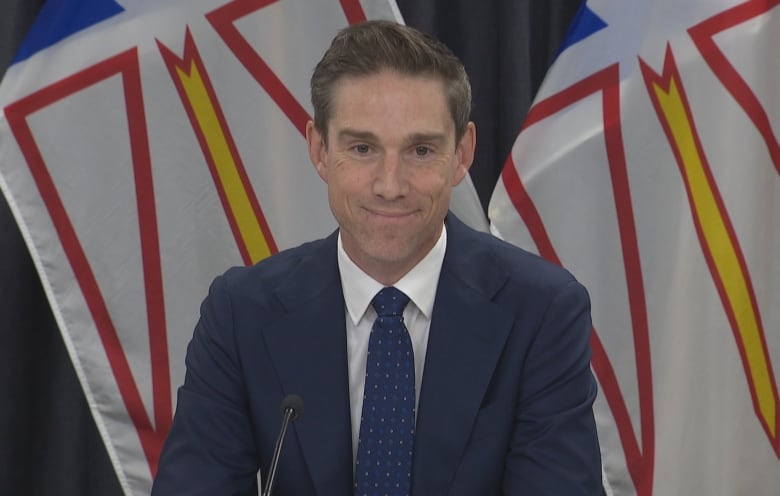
389, 214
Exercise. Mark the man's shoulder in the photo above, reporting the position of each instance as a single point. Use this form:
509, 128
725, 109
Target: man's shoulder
492, 255
285, 266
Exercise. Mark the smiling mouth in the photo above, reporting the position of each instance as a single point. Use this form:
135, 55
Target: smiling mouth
389, 215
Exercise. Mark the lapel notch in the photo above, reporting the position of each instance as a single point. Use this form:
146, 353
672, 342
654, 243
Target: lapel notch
309, 351
468, 334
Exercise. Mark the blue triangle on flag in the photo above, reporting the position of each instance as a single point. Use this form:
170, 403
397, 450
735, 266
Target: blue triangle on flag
59, 19
585, 23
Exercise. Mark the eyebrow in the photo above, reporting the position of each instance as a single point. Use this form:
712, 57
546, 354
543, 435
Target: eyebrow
437, 138
349, 133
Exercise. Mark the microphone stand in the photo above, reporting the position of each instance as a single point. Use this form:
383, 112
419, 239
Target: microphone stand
292, 406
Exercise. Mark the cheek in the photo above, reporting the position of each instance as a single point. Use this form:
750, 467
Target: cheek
433, 183
345, 182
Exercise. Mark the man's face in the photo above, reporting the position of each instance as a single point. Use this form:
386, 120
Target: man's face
390, 163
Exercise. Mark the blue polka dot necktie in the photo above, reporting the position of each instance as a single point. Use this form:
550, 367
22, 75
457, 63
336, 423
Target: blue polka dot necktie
384, 455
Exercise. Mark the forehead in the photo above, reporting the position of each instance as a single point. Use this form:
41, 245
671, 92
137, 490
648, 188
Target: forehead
392, 98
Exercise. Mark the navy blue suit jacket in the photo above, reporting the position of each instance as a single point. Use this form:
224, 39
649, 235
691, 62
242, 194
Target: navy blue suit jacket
505, 403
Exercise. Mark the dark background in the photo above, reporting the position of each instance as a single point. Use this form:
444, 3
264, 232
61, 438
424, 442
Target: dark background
48, 440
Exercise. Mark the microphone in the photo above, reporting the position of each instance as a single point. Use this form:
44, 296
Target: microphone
291, 408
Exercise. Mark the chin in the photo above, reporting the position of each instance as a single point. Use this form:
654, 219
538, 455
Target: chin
389, 255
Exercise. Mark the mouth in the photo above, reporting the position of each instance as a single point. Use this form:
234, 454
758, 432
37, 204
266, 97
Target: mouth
389, 215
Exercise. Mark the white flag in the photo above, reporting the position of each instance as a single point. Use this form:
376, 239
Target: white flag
145, 147
649, 165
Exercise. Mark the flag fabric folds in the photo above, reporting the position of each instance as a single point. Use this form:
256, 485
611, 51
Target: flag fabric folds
145, 147
649, 165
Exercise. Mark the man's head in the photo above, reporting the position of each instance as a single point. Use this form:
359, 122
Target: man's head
387, 144
368, 48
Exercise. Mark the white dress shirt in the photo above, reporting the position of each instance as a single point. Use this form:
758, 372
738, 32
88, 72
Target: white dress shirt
419, 284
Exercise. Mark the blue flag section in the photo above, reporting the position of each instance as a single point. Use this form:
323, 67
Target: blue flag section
585, 23
59, 19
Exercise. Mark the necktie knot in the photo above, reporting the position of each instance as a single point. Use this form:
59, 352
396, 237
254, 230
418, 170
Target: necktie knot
390, 302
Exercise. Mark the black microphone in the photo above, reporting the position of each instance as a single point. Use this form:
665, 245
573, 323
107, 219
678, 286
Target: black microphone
292, 408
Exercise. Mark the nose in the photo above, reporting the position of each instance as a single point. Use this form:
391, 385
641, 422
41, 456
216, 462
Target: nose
389, 182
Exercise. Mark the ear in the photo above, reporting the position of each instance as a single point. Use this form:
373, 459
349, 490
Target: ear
464, 153
317, 150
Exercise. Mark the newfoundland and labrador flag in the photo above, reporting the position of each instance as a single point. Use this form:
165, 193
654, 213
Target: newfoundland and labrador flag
649, 165
145, 147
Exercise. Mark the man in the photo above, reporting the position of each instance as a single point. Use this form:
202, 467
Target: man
479, 385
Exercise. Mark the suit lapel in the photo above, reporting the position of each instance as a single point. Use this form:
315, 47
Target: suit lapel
467, 336
309, 350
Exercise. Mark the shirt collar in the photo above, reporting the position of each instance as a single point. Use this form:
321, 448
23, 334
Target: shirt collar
419, 284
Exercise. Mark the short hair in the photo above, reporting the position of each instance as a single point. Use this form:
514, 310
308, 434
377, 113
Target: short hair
369, 47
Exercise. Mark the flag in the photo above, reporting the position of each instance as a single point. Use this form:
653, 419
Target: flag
145, 147
649, 166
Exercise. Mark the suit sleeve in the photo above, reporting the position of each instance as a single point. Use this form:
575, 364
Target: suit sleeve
210, 448
554, 447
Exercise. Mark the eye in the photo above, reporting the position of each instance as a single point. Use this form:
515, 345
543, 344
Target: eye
361, 149
422, 151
